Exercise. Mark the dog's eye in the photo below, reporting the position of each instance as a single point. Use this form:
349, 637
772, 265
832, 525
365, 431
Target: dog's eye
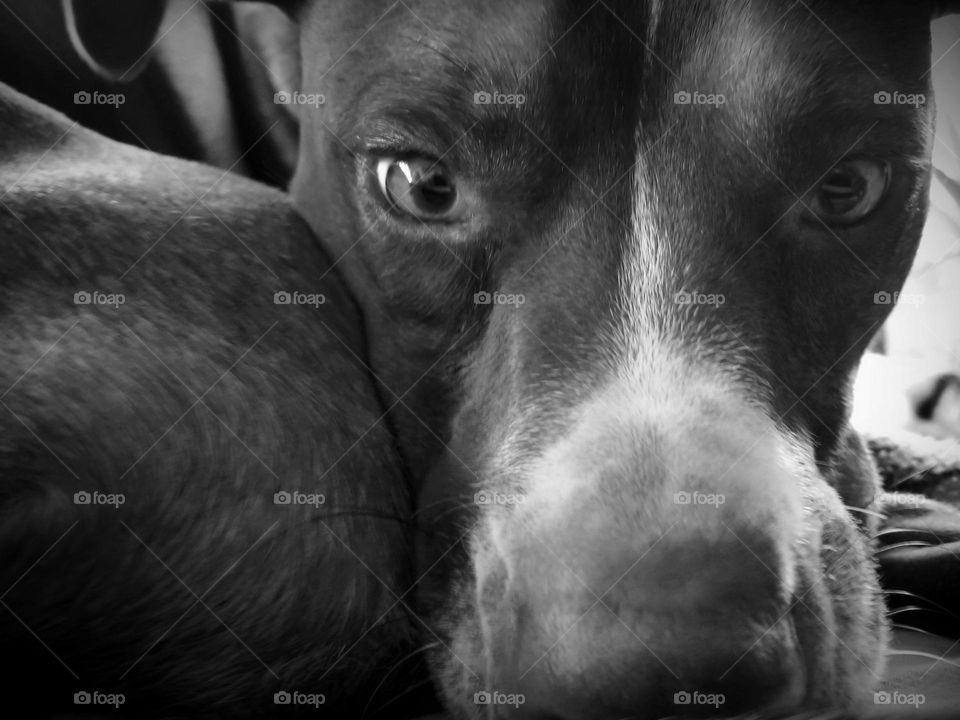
419, 187
851, 191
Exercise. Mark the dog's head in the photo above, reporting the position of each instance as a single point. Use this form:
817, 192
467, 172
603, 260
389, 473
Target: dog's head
619, 262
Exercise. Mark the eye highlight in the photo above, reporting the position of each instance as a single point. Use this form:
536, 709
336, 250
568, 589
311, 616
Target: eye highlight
419, 187
850, 192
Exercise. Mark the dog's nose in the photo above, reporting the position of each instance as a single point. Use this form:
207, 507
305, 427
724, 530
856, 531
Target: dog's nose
691, 622
686, 628
652, 583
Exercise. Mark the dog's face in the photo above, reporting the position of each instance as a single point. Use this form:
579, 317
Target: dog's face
618, 262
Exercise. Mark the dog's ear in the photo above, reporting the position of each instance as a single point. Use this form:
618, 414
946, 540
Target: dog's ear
945, 7
113, 37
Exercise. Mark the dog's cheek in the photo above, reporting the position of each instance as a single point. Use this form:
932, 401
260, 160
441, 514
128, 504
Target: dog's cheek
853, 474
840, 614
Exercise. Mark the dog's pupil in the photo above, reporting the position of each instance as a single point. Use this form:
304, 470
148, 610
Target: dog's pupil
840, 185
843, 190
436, 192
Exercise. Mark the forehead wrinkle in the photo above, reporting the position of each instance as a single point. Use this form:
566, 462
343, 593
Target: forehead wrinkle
735, 49
464, 70
430, 68
780, 60
505, 39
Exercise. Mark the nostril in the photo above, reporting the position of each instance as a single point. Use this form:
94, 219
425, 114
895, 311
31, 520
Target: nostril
676, 624
737, 580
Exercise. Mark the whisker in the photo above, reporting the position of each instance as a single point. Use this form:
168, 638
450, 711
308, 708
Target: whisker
930, 606
460, 501
919, 653
905, 544
865, 511
912, 609
898, 531
905, 593
387, 674
910, 628
322, 515
411, 688
917, 475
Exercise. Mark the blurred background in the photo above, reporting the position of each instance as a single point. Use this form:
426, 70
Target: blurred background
915, 384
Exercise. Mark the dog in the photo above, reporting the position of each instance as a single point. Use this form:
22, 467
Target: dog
616, 265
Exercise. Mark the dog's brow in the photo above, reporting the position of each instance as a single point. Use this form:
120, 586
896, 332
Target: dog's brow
443, 51
479, 71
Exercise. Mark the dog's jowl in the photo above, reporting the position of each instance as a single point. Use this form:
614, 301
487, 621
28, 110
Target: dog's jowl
616, 263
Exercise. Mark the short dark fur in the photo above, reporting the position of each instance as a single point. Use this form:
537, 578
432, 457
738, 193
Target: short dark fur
92, 400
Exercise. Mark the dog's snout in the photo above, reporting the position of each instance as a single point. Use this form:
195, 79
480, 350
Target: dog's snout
649, 573
683, 627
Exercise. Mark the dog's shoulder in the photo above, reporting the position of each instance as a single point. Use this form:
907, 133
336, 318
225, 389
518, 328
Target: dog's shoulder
115, 258
177, 340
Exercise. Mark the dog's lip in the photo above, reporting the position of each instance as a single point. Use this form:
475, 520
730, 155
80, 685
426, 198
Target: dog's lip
792, 699
805, 640
797, 694
795, 698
